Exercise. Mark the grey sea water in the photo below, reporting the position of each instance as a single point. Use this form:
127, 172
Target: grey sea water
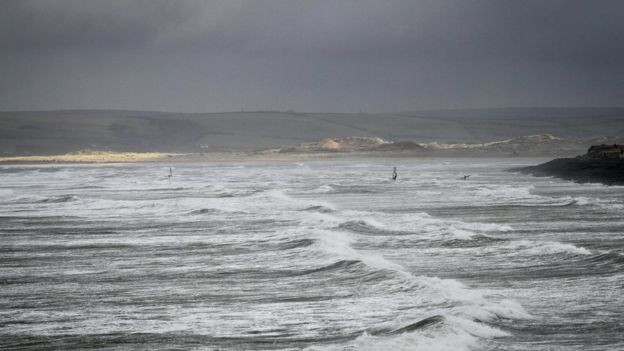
316, 255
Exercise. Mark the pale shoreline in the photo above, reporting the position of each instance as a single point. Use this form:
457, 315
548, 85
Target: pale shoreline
89, 157
104, 157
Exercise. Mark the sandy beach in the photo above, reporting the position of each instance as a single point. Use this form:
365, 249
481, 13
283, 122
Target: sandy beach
103, 157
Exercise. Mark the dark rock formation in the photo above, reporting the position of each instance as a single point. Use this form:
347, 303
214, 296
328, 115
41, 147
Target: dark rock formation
602, 164
605, 151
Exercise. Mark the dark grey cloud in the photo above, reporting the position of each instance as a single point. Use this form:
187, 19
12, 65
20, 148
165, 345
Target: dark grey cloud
309, 55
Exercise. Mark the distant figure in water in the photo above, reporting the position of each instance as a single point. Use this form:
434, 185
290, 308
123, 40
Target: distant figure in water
394, 174
170, 173
466, 176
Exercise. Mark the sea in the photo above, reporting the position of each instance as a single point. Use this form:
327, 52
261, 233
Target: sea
312, 255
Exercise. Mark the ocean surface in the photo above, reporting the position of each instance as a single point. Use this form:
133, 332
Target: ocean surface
320, 255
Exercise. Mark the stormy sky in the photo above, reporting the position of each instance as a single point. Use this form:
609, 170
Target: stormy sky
309, 55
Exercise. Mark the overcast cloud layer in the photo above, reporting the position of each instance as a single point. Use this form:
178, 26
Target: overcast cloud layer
310, 55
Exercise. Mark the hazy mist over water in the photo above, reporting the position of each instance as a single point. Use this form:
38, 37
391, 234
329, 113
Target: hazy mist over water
316, 255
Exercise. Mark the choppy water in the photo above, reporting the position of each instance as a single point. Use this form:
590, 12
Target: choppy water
319, 255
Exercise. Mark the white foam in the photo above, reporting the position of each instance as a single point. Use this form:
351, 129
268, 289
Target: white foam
474, 305
338, 244
448, 340
506, 192
461, 233
4, 193
475, 328
423, 224
323, 189
460, 305
276, 194
601, 203
486, 227
581, 201
453, 334
547, 247
470, 304
482, 310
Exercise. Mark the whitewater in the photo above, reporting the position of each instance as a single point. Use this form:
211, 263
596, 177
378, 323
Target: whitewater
316, 255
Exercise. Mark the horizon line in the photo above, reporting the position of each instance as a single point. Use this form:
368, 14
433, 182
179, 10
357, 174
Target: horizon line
293, 111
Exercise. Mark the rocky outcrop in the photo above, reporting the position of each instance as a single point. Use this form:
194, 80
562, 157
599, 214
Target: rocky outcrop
601, 164
605, 151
